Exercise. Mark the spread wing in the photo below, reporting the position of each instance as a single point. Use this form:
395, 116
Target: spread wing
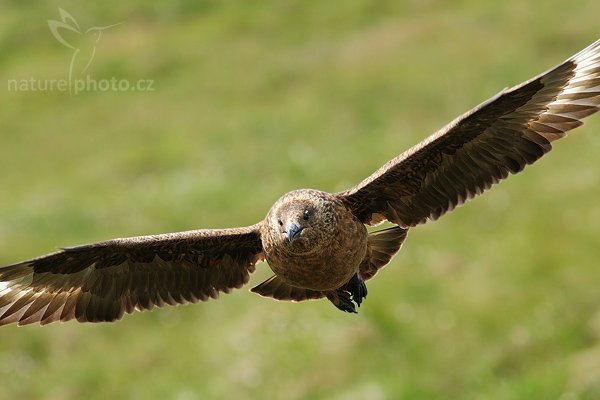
102, 281
500, 136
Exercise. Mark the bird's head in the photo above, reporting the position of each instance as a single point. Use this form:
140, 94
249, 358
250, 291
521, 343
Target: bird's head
301, 221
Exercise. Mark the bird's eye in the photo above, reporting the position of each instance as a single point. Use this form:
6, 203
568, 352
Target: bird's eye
280, 222
306, 215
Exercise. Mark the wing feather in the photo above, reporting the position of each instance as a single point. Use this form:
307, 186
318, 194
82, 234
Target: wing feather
103, 281
483, 146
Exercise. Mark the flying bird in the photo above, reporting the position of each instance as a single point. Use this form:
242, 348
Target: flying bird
316, 243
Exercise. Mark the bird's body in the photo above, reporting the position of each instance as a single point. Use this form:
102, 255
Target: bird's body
315, 242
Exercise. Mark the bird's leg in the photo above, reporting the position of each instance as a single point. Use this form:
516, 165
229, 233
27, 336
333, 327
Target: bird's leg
357, 288
342, 300
352, 292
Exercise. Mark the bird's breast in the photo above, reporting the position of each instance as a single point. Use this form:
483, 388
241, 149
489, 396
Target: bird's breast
330, 266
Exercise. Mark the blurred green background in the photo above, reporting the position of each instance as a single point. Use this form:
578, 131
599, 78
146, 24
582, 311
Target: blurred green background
498, 300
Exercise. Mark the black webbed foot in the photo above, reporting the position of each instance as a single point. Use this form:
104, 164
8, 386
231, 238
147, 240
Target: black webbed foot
352, 292
342, 300
358, 289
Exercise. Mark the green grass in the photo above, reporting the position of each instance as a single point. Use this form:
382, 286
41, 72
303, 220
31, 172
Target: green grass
497, 300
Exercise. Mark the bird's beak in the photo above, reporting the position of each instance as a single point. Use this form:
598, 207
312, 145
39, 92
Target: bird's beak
293, 231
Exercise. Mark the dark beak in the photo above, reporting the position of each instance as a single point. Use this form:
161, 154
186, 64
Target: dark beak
293, 231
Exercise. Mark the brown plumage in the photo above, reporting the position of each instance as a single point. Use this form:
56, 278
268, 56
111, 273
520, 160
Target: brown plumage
316, 243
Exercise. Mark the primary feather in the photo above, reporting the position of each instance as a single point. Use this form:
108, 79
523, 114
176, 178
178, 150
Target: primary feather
466, 157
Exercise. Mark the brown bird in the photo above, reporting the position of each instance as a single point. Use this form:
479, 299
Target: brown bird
315, 242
